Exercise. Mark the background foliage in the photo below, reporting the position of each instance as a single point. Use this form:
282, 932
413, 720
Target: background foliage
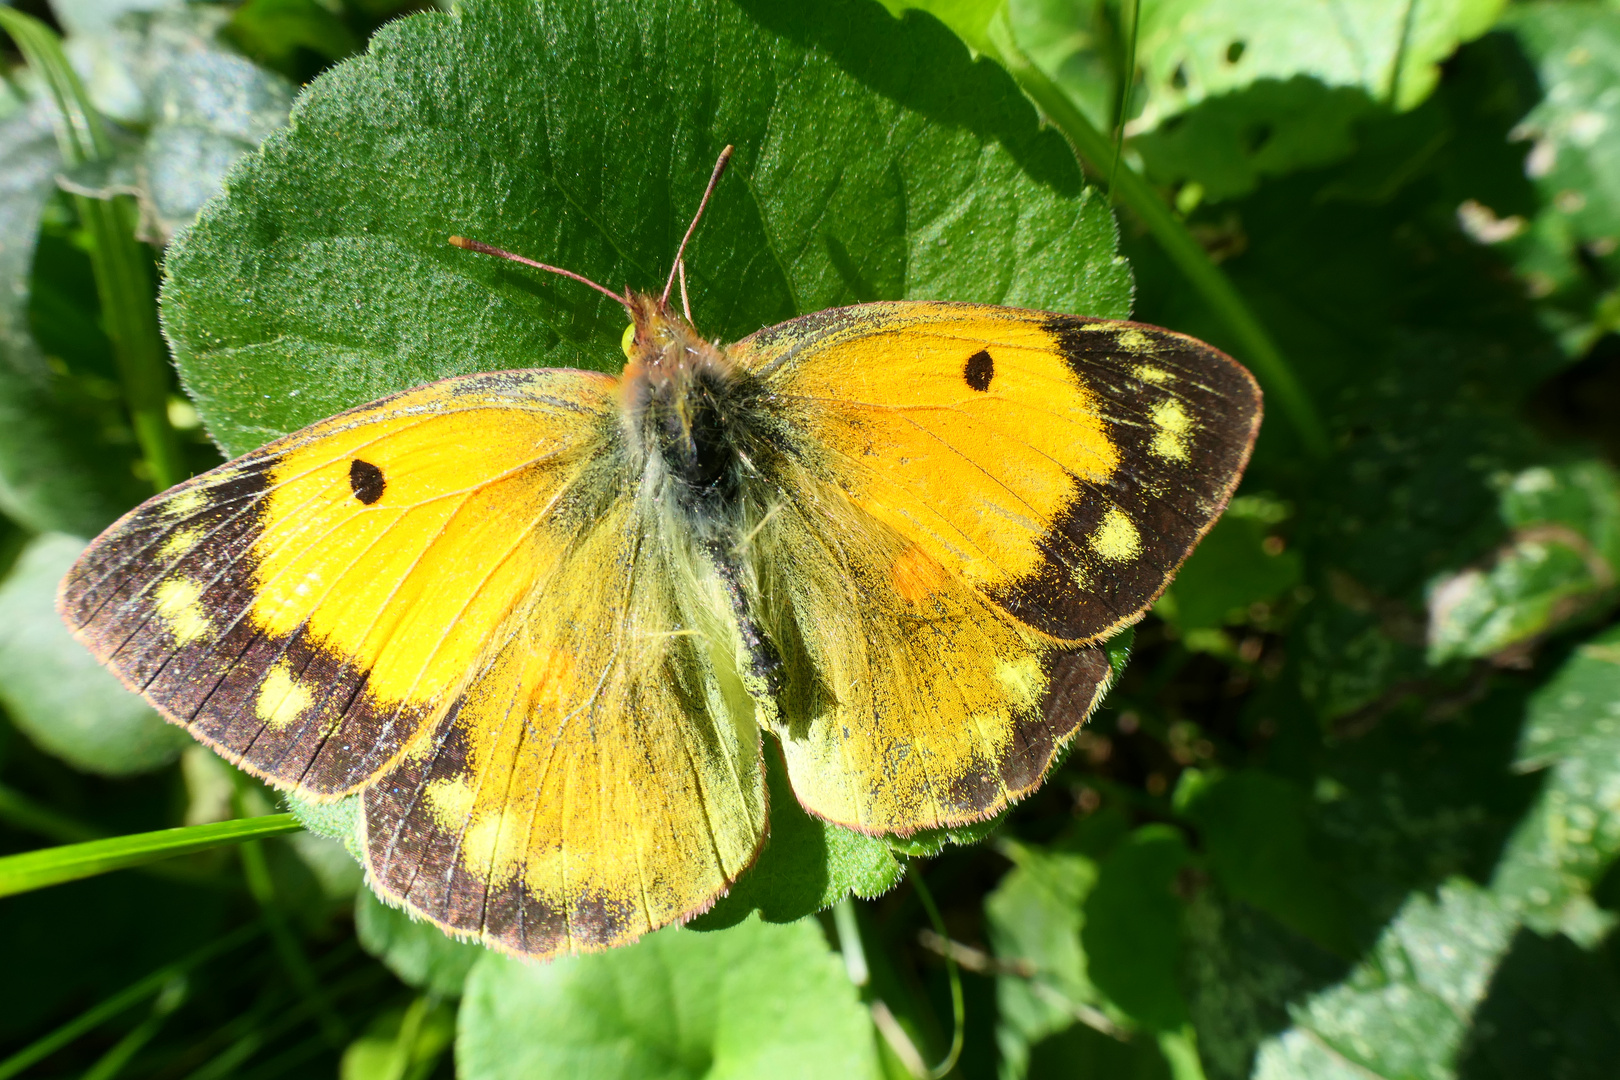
1354, 807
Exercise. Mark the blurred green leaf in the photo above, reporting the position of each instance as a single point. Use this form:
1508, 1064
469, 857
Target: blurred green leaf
1559, 565
272, 31
1255, 831
401, 1044
199, 105
755, 1000
1240, 564
1391, 49
57, 471
1033, 918
1235, 90
418, 952
1132, 927
941, 184
56, 692
1404, 1011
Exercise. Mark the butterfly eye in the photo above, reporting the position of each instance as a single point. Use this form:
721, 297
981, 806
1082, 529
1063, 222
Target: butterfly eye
366, 480
628, 342
979, 371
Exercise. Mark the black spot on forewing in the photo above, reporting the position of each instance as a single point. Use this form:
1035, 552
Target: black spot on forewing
366, 480
210, 679
1169, 489
980, 369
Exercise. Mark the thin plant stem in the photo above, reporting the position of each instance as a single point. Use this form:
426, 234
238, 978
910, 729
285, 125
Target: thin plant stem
1254, 343
1127, 81
1180, 1050
958, 1011
128, 998
120, 263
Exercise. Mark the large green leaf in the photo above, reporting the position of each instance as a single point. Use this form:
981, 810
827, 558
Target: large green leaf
1403, 1013
323, 279
55, 691
755, 1000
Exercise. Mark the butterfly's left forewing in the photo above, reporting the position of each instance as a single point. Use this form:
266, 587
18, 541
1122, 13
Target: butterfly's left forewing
307, 609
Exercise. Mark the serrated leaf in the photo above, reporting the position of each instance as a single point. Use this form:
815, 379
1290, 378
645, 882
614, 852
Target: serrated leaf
755, 1000
941, 184
1404, 1011
54, 690
1571, 836
418, 952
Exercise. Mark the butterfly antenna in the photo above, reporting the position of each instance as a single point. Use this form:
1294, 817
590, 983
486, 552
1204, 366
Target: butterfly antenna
686, 301
714, 178
487, 249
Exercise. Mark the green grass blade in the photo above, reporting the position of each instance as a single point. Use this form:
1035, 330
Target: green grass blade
1255, 345
122, 269
127, 998
52, 866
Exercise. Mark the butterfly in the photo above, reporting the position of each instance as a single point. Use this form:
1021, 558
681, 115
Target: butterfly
547, 623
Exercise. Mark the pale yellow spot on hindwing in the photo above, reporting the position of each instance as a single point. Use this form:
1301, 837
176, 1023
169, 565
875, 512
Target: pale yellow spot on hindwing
282, 699
1171, 426
1116, 539
1024, 680
187, 502
1150, 374
451, 801
177, 605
